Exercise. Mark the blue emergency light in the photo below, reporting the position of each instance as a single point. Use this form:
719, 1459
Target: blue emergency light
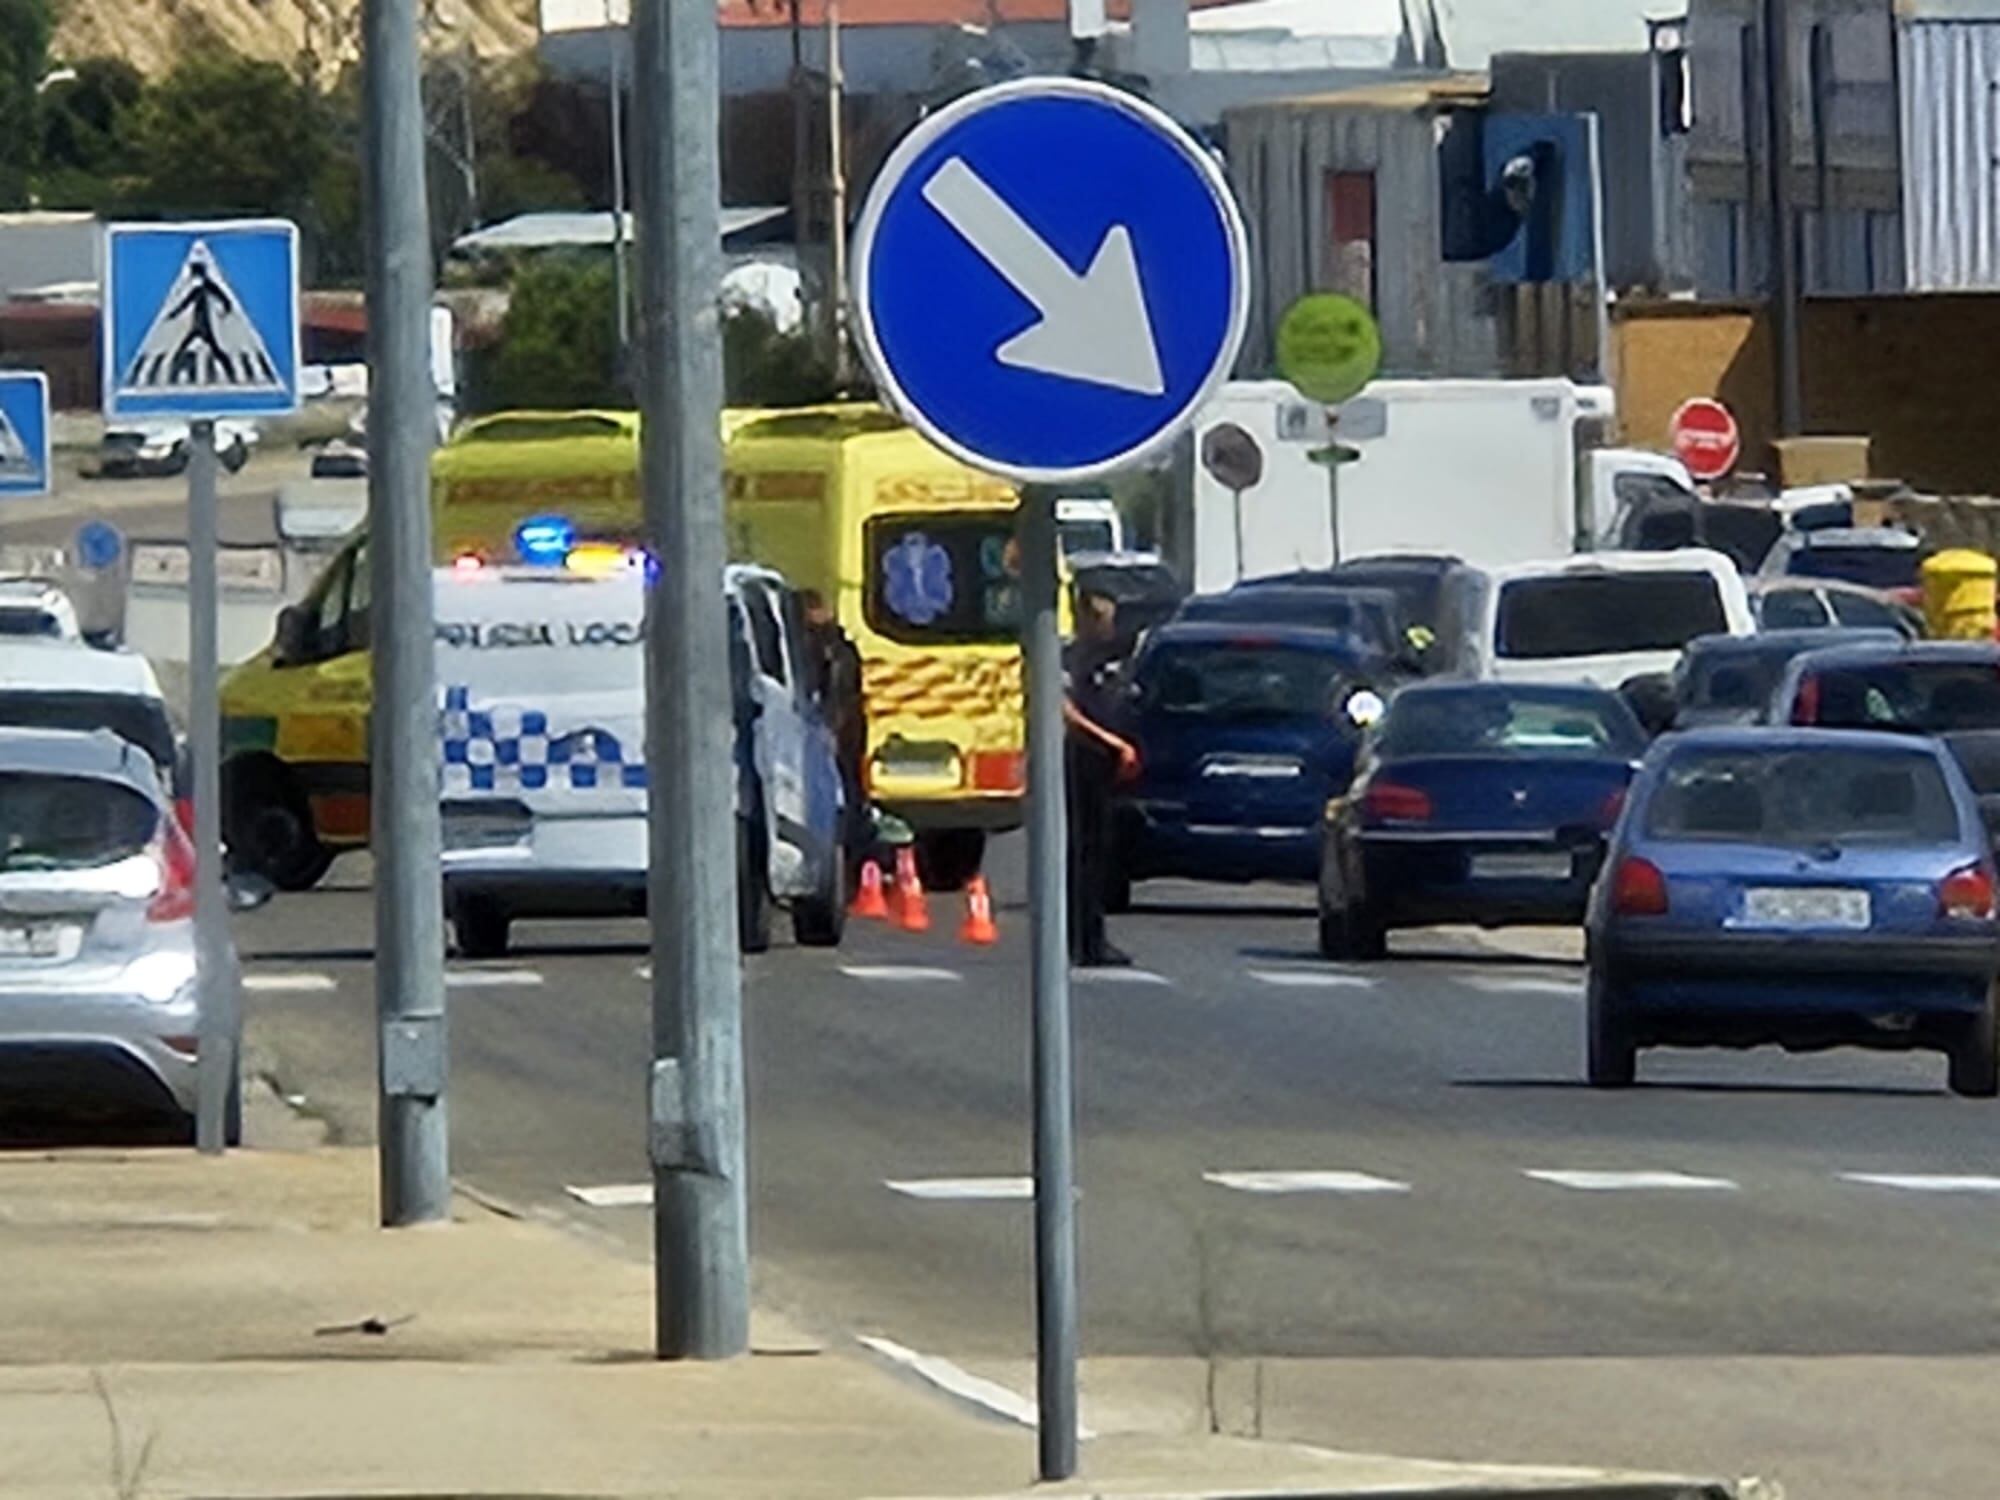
544, 541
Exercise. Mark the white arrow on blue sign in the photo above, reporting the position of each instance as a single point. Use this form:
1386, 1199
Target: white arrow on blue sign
201, 320
1050, 279
24, 432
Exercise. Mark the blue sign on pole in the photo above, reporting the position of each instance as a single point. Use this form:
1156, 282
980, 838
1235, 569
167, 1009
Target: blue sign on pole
24, 432
1050, 279
201, 320
99, 545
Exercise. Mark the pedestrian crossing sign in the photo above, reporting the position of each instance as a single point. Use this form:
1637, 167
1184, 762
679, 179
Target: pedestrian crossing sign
24, 432
201, 320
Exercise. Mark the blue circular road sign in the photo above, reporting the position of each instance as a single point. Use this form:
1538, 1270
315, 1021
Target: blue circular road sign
1050, 278
98, 545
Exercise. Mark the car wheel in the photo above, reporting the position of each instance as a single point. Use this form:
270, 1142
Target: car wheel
1975, 1057
753, 887
481, 925
269, 830
1612, 1061
820, 921
949, 857
235, 456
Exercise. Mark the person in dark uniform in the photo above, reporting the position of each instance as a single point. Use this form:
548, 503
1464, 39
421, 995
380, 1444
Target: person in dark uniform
1097, 760
839, 677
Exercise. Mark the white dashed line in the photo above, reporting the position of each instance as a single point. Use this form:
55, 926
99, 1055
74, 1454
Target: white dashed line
1526, 984
901, 974
289, 984
1312, 979
1117, 976
963, 1189
1620, 1182
614, 1195
988, 1396
492, 979
1917, 1182
1305, 1182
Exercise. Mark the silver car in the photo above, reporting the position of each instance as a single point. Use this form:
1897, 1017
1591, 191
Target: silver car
97, 951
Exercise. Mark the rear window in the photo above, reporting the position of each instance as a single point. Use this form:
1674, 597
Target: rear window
943, 580
1416, 592
1489, 722
1734, 679
18, 620
70, 822
1792, 609
1800, 796
1606, 614
136, 720
1873, 567
1921, 697
1238, 682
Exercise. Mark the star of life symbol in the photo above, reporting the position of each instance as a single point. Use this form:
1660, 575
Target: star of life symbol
201, 338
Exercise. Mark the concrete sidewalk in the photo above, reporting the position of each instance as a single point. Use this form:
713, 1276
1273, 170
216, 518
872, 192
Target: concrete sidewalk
182, 1327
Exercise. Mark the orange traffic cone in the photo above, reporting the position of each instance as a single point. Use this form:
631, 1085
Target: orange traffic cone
870, 902
979, 928
912, 911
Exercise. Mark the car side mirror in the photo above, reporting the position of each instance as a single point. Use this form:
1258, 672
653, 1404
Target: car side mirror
248, 891
293, 641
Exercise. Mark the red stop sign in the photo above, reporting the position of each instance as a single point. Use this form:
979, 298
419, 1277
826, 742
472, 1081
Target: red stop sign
1706, 438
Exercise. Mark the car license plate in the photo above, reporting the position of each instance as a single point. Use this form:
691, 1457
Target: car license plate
1520, 867
37, 940
1806, 906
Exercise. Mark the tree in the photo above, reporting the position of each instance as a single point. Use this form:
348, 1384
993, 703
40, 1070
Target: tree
226, 134
25, 26
558, 345
85, 154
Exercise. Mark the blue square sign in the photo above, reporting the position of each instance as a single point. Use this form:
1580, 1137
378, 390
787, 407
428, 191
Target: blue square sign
201, 320
24, 432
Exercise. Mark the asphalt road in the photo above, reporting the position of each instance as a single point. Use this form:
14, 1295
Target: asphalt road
1760, 1271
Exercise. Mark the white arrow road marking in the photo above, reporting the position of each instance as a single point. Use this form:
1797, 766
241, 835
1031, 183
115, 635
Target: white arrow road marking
1925, 1183
1616, 1182
1093, 327
1305, 1182
964, 1189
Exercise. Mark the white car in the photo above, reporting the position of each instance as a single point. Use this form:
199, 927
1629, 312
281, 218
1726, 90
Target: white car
1602, 618
69, 685
36, 609
1875, 557
142, 448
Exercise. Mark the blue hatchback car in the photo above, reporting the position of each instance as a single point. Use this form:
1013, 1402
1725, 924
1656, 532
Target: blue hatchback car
1800, 888
1243, 734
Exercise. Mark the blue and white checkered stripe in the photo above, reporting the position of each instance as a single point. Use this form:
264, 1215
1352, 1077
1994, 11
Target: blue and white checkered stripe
505, 744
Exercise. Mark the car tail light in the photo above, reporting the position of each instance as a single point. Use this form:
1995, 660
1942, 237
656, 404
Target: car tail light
996, 770
184, 814
1638, 889
1966, 892
1612, 808
1805, 709
174, 900
1392, 802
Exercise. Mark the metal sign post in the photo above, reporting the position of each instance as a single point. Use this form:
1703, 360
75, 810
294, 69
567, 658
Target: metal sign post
1095, 213
201, 322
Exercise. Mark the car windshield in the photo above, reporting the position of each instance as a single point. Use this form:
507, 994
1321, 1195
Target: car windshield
29, 620
1922, 697
1606, 614
1368, 620
944, 579
70, 822
1803, 796
1873, 567
136, 720
1242, 681
1494, 721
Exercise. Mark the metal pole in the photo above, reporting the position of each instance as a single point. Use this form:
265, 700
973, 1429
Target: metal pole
619, 282
836, 156
215, 1031
1784, 230
701, 1257
1600, 286
1055, 1122
402, 423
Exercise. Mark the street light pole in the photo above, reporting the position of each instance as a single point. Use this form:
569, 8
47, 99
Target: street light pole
701, 1258
1777, 49
836, 157
619, 285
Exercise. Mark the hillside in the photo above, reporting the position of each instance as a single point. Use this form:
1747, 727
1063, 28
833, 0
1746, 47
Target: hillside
151, 33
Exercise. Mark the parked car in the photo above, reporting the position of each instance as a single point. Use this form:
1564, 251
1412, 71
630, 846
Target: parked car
1425, 585
1474, 802
1815, 603
98, 991
1876, 557
1370, 618
1729, 679
36, 609
1243, 734
1798, 888
69, 685
143, 448
340, 460
1145, 590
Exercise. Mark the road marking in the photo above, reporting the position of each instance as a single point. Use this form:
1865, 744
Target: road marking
1526, 984
482, 979
1918, 1182
1618, 1182
988, 1396
1117, 976
963, 1189
289, 984
614, 1195
1305, 1182
901, 974
1312, 979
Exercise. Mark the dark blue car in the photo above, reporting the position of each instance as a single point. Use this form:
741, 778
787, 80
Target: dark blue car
1803, 888
1243, 734
1485, 803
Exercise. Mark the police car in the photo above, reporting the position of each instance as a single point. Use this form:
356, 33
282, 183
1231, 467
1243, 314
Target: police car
540, 672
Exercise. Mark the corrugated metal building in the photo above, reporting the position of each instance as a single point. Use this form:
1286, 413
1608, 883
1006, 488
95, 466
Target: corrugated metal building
1948, 66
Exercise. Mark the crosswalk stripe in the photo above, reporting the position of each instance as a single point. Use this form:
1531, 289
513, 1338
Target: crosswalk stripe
1312, 979
1616, 1182
901, 974
963, 1189
1305, 1182
1526, 984
1117, 976
1918, 1182
479, 979
289, 984
613, 1195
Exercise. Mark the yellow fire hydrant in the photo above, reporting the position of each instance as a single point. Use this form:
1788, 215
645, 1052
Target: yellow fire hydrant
1959, 596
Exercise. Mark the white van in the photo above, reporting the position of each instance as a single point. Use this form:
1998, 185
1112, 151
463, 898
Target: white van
1601, 617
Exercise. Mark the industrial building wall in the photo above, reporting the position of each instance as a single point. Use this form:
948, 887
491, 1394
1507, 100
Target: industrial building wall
1950, 72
